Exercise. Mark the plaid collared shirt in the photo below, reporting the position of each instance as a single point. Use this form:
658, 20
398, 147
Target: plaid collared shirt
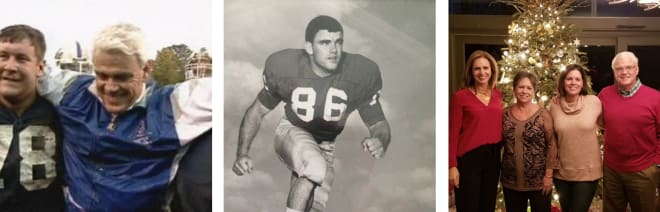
632, 91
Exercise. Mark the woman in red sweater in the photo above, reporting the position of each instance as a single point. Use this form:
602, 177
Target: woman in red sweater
475, 132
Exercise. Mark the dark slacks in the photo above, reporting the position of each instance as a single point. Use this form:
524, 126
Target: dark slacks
575, 196
516, 201
479, 173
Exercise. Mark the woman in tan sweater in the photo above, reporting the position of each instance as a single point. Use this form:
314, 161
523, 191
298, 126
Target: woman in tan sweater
575, 118
530, 149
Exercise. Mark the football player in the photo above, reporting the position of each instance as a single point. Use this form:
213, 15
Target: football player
320, 85
121, 132
30, 178
74, 59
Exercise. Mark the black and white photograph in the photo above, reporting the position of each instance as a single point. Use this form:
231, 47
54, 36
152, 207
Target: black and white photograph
329, 105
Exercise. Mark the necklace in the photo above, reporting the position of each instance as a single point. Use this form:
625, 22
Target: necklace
484, 92
483, 96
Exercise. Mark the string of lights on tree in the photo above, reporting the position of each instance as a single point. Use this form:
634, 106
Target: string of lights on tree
540, 43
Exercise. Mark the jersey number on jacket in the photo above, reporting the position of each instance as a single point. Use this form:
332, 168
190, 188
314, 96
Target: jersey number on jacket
304, 107
36, 146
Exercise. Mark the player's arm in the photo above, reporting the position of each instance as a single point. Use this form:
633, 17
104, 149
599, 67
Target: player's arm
248, 130
192, 108
372, 114
267, 99
250, 126
53, 83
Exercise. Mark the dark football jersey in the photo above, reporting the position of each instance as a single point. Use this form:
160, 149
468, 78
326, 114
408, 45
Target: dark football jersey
321, 105
31, 174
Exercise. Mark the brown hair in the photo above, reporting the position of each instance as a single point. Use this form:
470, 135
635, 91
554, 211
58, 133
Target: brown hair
562, 78
16, 33
469, 79
524, 74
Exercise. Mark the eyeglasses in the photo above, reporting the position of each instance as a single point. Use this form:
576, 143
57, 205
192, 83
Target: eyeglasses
626, 68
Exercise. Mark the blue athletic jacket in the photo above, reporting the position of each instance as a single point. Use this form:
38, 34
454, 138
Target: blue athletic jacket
126, 166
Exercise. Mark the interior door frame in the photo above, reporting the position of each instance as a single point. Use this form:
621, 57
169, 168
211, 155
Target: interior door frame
624, 41
458, 54
646, 68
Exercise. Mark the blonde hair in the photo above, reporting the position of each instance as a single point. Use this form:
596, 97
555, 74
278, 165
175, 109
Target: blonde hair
469, 79
123, 38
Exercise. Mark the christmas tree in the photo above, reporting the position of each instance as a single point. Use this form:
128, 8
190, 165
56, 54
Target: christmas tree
538, 42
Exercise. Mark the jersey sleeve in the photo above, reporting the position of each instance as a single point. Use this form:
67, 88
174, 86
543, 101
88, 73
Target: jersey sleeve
53, 84
370, 108
192, 108
268, 96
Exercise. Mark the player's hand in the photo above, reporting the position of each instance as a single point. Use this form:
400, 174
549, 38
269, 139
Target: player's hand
374, 146
453, 177
242, 165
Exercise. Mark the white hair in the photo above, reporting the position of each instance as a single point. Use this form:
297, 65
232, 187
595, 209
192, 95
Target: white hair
125, 38
624, 54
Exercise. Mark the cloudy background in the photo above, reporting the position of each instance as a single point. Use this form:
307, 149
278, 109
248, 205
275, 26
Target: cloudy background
63, 22
399, 36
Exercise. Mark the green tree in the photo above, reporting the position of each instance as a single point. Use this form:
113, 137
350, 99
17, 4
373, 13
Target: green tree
167, 67
182, 54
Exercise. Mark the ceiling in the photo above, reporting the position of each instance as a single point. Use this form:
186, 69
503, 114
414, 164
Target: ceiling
598, 8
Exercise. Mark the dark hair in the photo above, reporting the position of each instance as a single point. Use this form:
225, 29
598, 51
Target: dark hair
468, 79
562, 77
16, 33
319, 23
524, 74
